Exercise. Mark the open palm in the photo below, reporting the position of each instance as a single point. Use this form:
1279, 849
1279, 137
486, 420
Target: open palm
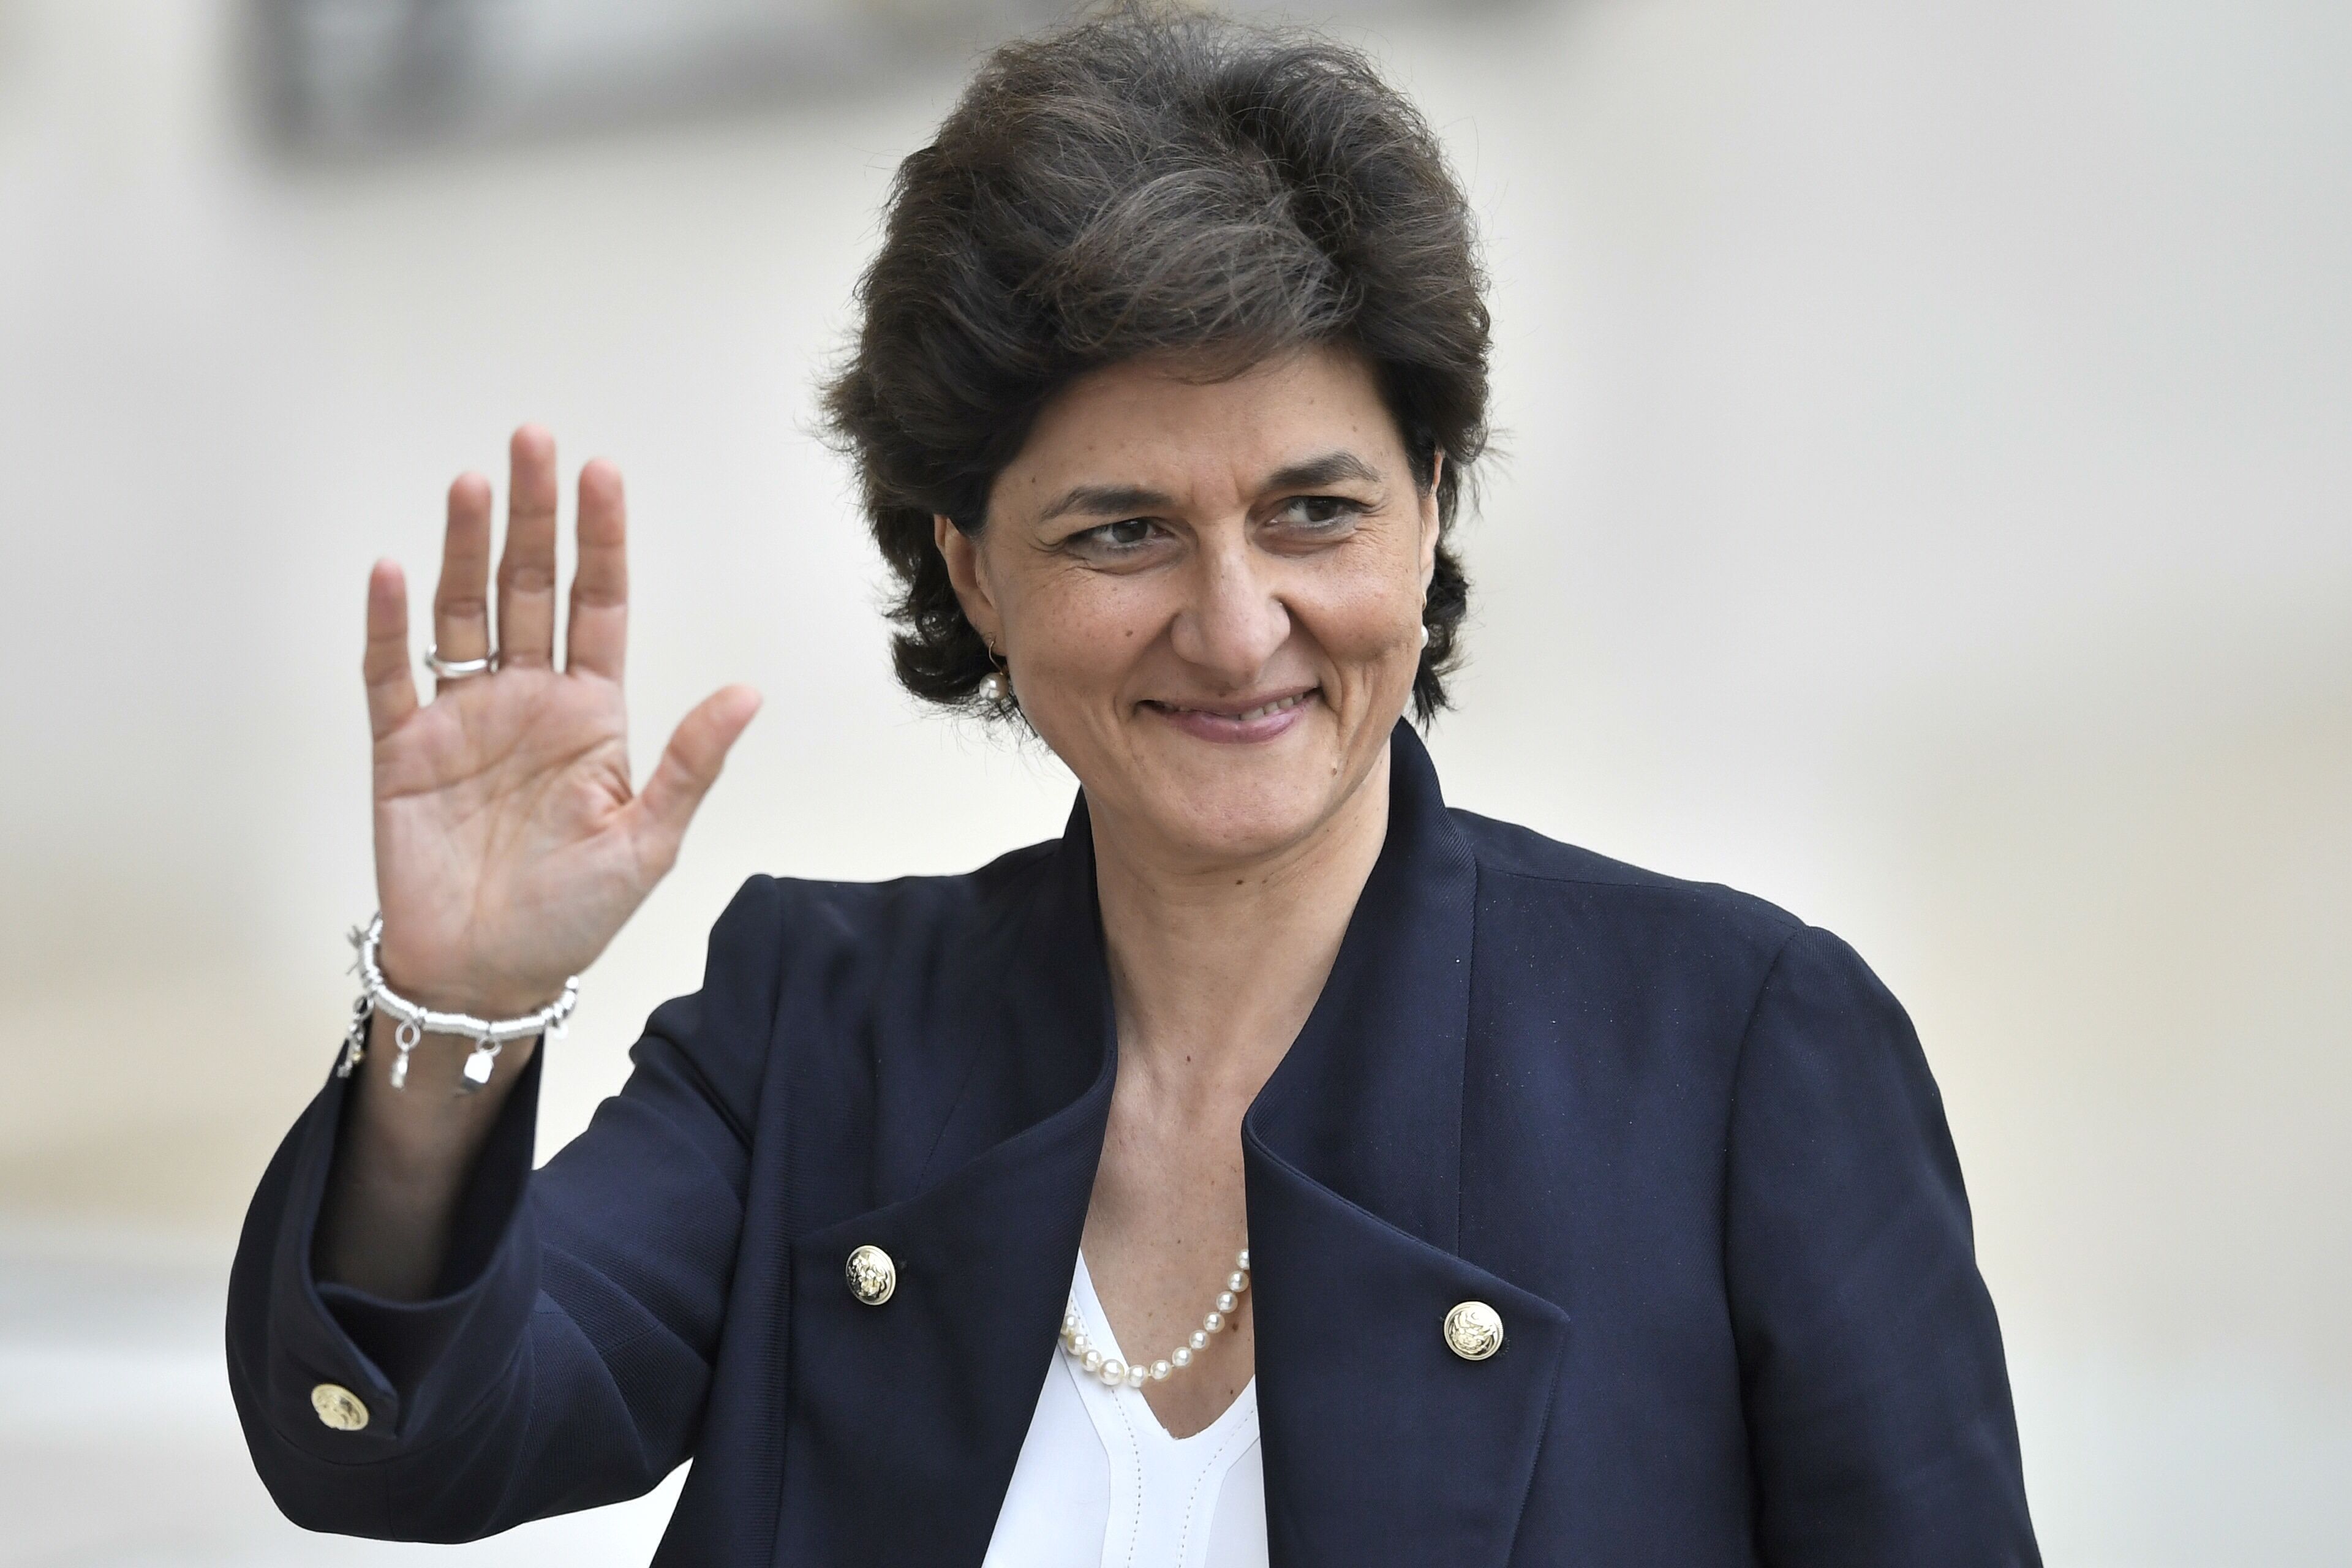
509, 844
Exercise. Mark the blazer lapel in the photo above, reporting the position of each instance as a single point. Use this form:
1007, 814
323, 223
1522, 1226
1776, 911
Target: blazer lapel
1380, 1443
907, 1417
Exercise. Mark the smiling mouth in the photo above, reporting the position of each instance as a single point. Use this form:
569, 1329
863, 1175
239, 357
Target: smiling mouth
1241, 715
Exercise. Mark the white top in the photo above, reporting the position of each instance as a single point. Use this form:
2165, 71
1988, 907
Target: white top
1100, 1483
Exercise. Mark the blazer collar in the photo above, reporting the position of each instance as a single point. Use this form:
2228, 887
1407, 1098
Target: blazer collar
1382, 1445
906, 1418
1367, 1101
1379, 1445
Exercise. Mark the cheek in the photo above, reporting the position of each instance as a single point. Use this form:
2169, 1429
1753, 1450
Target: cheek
1363, 613
1078, 632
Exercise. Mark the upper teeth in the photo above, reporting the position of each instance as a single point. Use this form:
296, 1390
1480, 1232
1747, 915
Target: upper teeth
1265, 709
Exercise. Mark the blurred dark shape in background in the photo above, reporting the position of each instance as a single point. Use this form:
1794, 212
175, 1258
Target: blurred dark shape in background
345, 77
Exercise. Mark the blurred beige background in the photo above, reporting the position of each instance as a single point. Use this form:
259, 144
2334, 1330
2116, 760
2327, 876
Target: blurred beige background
1926, 502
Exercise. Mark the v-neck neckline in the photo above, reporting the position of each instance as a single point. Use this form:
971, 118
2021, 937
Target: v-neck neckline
1097, 1322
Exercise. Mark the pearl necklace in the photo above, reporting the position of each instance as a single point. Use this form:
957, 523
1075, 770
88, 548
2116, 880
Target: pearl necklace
1116, 1373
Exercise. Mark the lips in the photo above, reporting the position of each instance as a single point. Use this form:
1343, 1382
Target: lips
1241, 715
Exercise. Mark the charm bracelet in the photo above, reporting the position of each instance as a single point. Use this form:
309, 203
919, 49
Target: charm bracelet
415, 1022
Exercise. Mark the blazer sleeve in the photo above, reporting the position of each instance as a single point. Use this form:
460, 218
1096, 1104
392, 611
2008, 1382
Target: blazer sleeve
564, 1359
1877, 1398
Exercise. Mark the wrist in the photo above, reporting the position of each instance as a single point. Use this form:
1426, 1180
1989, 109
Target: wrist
490, 1030
489, 996
494, 1003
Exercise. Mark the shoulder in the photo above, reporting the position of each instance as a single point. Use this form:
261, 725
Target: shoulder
900, 960
785, 922
1520, 868
834, 957
1667, 1000
830, 983
1573, 945
1699, 971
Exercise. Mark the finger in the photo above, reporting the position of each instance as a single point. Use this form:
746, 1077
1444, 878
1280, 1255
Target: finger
391, 689
689, 766
597, 634
461, 605
527, 569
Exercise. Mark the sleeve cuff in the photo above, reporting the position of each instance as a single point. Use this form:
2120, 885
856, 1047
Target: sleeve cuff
413, 1371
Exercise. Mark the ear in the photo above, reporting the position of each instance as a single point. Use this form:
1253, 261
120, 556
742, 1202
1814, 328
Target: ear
1432, 524
961, 554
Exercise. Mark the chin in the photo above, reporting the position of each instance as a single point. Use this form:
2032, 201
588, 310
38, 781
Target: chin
1238, 824
1243, 804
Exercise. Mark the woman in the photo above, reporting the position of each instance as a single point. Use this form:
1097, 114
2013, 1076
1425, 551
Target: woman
1281, 1165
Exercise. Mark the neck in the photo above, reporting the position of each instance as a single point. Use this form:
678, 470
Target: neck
1215, 967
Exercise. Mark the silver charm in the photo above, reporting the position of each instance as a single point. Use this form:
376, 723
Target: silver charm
355, 1037
478, 1066
404, 1038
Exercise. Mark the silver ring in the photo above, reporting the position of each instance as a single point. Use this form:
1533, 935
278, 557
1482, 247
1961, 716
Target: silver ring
458, 668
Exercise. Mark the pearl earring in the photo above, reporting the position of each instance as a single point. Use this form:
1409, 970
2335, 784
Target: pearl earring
998, 682
1424, 634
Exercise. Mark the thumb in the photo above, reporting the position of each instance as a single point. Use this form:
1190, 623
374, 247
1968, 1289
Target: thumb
689, 766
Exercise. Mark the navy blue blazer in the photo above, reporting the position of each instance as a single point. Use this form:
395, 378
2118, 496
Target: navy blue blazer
1685, 1144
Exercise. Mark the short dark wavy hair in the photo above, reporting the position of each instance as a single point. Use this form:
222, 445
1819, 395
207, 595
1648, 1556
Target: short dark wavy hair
1151, 181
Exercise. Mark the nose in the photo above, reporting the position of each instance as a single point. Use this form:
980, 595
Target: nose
1235, 619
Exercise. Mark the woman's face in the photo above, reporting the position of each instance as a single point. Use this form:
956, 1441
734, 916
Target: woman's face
1209, 595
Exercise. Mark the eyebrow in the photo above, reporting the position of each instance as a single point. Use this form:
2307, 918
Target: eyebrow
1104, 500
1328, 468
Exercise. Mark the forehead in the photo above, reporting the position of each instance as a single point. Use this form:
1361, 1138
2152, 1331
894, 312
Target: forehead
1159, 423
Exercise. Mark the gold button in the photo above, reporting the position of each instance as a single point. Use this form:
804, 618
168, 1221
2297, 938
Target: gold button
872, 1275
1474, 1331
338, 1407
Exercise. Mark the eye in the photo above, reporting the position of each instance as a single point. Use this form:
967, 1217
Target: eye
1128, 533
1319, 511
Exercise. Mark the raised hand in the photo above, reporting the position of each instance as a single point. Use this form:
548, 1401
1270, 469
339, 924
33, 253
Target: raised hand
509, 844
